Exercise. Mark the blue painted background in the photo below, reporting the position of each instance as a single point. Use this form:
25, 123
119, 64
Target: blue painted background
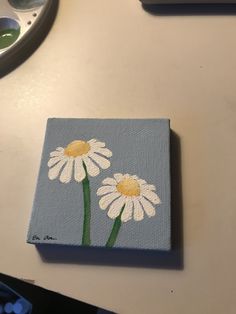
139, 147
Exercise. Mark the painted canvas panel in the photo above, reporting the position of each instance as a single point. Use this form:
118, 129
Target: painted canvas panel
104, 183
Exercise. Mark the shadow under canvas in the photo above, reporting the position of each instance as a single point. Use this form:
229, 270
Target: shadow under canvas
172, 259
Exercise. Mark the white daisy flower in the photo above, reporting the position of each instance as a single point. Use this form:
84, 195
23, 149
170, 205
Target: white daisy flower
77, 158
128, 196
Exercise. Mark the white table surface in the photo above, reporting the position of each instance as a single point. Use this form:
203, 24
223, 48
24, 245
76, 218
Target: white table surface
112, 59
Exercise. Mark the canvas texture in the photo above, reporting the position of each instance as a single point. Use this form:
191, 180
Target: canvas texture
104, 183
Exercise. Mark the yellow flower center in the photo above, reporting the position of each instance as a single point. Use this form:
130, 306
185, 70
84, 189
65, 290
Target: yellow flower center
77, 148
128, 187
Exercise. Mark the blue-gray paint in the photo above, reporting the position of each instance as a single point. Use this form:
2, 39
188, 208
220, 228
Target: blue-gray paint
139, 147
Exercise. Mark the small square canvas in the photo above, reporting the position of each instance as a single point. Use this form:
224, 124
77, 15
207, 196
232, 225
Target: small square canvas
104, 183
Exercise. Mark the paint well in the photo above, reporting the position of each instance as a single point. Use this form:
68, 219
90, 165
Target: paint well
26, 4
9, 32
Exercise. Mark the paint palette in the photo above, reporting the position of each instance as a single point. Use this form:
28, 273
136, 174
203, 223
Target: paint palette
23, 24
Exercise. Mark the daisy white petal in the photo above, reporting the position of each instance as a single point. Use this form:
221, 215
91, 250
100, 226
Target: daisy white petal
107, 199
101, 161
138, 210
56, 153
66, 173
60, 149
95, 143
54, 160
105, 189
103, 151
109, 181
115, 208
147, 206
126, 175
79, 172
93, 140
141, 181
99, 144
149, 187
54, 171
118, 177
92, 169
128, 210
151, 196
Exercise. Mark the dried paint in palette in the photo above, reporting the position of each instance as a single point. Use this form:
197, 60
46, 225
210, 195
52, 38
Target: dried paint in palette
8, 37
104, 183
9, 32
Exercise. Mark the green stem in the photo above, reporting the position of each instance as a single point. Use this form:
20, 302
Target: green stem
115, 230
87, 212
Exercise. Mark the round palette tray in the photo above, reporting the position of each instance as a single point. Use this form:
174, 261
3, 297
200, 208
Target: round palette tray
23, 25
